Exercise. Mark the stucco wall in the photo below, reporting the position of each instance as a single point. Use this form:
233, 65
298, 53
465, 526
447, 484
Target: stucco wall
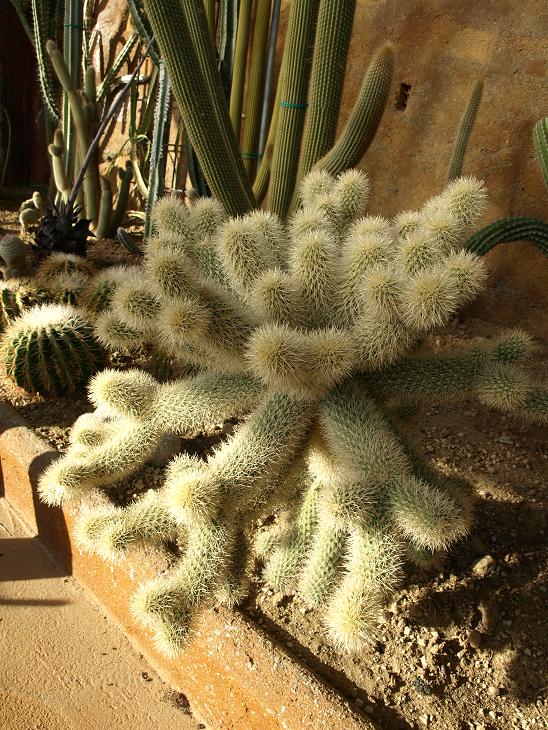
442, 47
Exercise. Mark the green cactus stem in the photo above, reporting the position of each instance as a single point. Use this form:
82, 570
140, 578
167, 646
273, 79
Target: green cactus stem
192, 77
240, 62
507, 230
58, 164
365, 116
335, 19
465, 130
255, 87
297, 62
91, 182
540, 139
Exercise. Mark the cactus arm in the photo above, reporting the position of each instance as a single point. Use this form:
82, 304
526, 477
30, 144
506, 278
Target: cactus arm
238, 71
269, 76
56, 151
193, 93
105, 208
365, 116
255, 86
158, 152
39, 27
90, 183
540, 139
126, 176
296, 65
465, 130
142, 26
208, 399
210, 6
335, 19
506, 230
260, 186
117, 65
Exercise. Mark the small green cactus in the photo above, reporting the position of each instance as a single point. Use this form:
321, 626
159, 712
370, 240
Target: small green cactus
306, 328
13, 253
16, 296
51, 349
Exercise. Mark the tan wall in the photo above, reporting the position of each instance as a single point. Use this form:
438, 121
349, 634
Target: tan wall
442, 47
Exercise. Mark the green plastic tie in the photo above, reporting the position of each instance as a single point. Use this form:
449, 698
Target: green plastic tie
291, 105
252, 155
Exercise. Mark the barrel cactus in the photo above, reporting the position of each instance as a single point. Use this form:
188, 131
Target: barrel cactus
51, 349
13, 257
306, 327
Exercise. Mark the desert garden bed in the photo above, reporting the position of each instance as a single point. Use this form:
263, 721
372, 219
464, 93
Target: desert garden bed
462, 645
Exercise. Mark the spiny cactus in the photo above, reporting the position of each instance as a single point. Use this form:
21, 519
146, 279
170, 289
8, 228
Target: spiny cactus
13, 254
17, 295
51, 349
30, 211
306, 328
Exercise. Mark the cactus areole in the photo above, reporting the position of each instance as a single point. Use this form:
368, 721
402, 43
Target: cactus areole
305, 328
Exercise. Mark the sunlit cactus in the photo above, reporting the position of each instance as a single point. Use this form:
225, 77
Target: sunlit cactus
304, 328
51, 349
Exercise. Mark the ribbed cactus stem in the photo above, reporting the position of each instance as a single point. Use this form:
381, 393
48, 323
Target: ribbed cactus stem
465, 130
506, 230
365, 116
105, 209
238, 71
90, 89
199, 106
90, 184
299, 42
260, 185
197, 25
254, 97
540, 139
125, 176
210, 6
39, 23
335, 19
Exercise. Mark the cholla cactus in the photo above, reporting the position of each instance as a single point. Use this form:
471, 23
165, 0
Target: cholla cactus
306, 327
51, 349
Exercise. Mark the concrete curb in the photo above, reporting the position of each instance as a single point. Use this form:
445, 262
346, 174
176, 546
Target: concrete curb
234, 675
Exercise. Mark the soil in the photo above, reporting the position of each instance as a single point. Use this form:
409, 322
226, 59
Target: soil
462, 646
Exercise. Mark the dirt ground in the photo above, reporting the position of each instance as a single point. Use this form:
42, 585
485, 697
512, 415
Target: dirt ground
461, 647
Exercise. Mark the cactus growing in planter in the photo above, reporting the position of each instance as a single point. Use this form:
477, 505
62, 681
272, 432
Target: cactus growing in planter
307, 328
51, 349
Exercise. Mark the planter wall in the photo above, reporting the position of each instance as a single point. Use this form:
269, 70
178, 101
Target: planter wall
233, 674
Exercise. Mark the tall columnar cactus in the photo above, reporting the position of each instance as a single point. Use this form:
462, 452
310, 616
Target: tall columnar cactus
307, 327
51, 349
335, 20
465, 130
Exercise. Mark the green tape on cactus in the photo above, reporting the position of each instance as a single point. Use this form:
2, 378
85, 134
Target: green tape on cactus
51, 349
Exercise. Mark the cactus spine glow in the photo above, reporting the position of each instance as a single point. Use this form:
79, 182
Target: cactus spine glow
305, 327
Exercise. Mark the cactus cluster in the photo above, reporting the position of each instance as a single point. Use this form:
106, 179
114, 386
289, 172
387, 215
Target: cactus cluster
305, 328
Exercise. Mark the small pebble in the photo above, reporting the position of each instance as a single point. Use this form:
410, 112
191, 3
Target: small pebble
474, 639
484, 566
370, 709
